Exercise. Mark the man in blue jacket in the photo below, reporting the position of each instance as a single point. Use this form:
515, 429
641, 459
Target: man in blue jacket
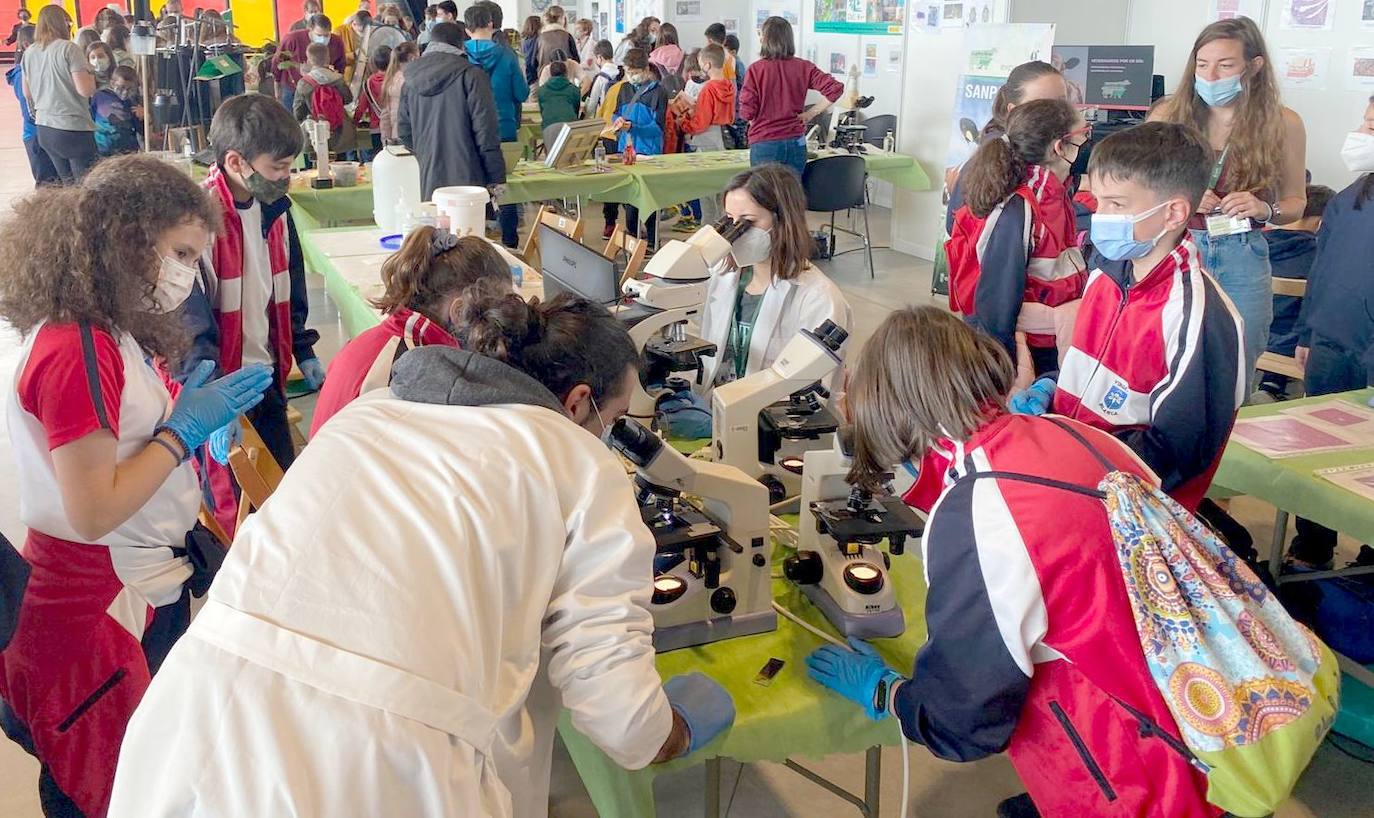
39, 164
1292, 249
508, 88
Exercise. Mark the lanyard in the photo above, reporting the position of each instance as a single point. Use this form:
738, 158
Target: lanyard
1218, 168
741, 332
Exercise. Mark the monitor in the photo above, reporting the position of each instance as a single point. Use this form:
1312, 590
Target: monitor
574, 144
570, 266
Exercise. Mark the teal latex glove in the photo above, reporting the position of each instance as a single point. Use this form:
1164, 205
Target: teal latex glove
703, 704
859, 675
224, 439
1033, 400
313, 371
202, 407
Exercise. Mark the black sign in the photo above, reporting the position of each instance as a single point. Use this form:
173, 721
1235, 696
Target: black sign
1115, 77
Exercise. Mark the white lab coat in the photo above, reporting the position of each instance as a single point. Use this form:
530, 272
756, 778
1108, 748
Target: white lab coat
393, 632
788, 307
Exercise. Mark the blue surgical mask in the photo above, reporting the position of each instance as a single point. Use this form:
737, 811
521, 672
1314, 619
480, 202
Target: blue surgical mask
322, 39
1218, 92
1113, 235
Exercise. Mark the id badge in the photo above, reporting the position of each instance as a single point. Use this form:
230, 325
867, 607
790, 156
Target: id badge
1219, 224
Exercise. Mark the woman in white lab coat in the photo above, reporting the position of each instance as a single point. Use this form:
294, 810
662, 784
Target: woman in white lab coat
767, 290
448, 564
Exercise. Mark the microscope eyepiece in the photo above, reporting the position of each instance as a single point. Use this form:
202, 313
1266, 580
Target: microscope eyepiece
635, 442
831, 335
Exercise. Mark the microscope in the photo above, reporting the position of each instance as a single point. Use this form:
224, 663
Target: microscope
838, 565
317, 135
668, 295
762, 424
712, 571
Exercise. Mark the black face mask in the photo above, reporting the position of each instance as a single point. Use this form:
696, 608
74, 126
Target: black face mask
1080, 164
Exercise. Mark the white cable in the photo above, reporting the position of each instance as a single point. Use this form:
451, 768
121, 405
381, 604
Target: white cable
901, 734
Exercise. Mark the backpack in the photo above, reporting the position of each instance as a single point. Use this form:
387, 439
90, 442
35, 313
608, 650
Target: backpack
326, 102
962, 248
606, 110
1252, 691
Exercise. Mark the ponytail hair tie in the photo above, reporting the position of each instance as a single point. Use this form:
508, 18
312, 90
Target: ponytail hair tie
442, 242
1006, 137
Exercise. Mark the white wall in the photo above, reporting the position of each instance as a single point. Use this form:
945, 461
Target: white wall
1097, 22
1172, 25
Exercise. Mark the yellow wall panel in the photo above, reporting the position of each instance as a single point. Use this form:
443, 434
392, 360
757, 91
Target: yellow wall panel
253, 19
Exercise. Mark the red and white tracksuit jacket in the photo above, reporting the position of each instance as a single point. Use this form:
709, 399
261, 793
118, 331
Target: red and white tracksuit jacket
1032, 645
1157, 362
365, 362
1027, 257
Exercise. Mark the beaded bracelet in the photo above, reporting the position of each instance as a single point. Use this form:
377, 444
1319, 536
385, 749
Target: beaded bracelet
182, 458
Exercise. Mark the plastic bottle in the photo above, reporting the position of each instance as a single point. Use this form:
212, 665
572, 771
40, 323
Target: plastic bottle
599, 154
395, 177
889, 142
627, 156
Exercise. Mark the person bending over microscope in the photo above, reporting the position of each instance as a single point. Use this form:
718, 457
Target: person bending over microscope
449, 563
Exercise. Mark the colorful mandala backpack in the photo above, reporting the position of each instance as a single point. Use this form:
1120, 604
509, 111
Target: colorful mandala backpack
1253, 692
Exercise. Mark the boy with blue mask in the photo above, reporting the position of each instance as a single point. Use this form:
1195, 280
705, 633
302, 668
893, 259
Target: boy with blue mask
1156, 351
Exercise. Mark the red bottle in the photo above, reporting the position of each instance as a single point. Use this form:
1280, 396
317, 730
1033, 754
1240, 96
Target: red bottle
627, 156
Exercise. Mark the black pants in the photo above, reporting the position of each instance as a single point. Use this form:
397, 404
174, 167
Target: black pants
40, 164
611, 211
1331, 368
72, 152
269, 421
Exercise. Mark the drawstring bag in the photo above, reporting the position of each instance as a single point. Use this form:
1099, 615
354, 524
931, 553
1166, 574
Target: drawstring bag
1252, 691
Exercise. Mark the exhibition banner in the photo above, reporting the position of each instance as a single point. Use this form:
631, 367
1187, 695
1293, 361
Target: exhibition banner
860, 16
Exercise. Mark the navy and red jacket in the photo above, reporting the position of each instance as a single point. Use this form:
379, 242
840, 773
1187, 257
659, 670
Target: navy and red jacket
1157, 363
1032, 645
1025, 250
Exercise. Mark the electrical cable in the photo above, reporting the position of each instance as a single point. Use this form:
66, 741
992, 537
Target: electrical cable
901, 734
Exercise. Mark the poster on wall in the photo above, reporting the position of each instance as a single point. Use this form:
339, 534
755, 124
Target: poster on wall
894, 59
860, 16
986, 12
731, 25
687, 10
1307, 14
991, 52
620, 27
1304, 68
952, 15
1112, 77
1359, 69
1231, 9
838, 63
1367, 13
761, 14
871, 60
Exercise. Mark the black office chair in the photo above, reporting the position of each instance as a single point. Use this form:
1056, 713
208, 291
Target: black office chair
878, 126
837, 183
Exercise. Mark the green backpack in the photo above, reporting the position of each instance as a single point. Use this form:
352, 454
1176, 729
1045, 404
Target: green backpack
1253, 692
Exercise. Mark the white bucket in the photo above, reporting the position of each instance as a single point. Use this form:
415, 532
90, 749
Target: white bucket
466, 208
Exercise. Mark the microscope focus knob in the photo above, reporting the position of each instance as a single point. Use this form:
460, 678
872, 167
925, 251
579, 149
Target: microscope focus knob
723, 601
804, 568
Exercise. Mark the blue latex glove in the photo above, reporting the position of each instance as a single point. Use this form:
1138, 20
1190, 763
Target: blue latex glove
1033, 400
703, 704
223, 439
313, 371
203, 408
854, 674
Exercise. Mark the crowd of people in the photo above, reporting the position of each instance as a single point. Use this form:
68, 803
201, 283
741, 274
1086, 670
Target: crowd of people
455, 556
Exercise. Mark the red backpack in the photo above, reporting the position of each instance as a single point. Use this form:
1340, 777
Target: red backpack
326, 102
963, 250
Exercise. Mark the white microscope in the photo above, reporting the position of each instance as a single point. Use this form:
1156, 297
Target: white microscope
668, 295
762, 424
838, 565
317, 134
712, 565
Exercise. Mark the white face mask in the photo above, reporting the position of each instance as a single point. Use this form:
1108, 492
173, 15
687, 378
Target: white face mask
753, 247
174, 281
1358, 152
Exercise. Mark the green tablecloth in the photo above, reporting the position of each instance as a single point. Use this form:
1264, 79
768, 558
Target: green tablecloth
1289, 483
793, 717
532, 182
660, 181
335, 207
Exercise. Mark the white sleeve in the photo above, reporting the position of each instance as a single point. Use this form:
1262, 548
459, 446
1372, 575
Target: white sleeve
597, 631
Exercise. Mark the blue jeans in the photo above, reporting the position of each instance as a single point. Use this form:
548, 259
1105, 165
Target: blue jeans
1240, 264
790, 152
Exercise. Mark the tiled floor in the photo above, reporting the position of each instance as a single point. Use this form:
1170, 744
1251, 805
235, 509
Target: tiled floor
1335, 786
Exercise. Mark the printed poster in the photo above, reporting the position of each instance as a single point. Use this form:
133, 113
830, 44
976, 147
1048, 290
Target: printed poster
870, 66
860, 16
731, 25
1367, 13
1231, 9
1302, 67
838, 63
1283, 436
986, 12
952, 15
894, 59
1113, 77
1359, 69
687, 10
925, 17
1358, 478
1307, 14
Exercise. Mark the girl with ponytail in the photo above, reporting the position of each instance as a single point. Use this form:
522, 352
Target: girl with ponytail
423, 282
1016, 271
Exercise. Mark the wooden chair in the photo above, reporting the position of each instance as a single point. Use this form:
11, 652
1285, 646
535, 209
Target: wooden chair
567, 225
1283, 364
634, 249
212, 525
255, 470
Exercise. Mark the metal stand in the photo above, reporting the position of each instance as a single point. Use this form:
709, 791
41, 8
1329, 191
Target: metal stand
873, 775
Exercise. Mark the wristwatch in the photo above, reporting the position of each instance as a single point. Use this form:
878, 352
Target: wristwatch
1274, 211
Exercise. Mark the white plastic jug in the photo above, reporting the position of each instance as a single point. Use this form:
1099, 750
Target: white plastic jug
395, 179
466, 208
